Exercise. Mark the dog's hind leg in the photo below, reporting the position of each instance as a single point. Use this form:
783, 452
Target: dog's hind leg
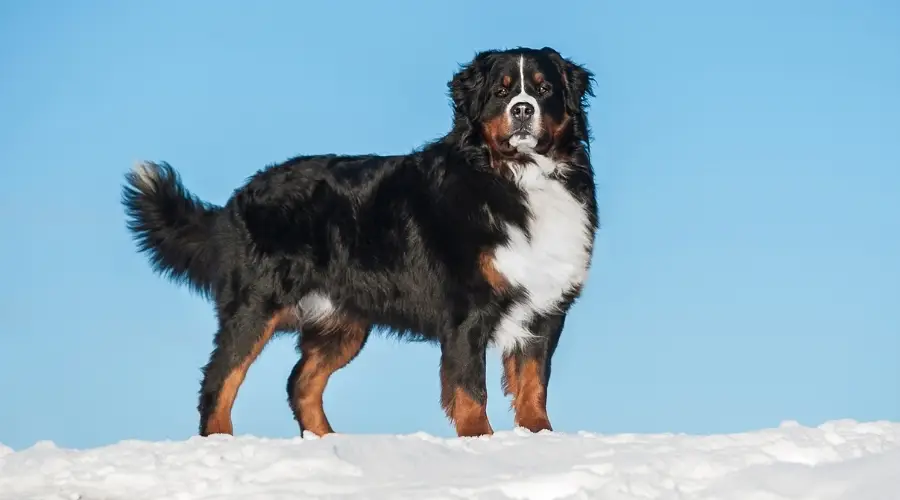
325, 347
240, 339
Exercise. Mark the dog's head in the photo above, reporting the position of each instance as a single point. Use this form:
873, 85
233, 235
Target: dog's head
523, 100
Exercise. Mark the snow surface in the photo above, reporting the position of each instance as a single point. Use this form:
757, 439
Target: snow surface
837, 460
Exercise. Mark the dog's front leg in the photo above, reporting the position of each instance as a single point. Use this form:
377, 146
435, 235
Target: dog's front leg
463, 385
527, 374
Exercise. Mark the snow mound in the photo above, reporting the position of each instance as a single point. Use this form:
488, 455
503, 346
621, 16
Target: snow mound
837, 460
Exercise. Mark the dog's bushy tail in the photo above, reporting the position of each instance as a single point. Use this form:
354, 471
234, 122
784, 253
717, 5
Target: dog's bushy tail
172, 226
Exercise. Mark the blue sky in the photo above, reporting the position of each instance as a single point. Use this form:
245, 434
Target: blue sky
748, 166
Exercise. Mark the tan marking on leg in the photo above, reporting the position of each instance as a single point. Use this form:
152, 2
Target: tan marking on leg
323, 353
530, 401
510, 379
219, 421
469, 417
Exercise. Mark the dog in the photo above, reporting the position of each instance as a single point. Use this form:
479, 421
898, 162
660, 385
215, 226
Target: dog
480, 238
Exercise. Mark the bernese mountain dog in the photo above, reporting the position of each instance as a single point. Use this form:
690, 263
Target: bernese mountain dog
480, 238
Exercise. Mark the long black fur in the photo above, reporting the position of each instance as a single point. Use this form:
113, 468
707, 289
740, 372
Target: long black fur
173, 227
393, 241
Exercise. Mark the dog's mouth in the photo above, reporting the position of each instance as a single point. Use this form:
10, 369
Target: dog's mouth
523, 140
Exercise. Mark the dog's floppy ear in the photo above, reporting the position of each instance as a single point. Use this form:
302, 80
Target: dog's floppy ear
467, 88
578, 81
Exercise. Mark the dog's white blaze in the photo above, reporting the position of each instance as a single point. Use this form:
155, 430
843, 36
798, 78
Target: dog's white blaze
522, 96
556, 258
314, 307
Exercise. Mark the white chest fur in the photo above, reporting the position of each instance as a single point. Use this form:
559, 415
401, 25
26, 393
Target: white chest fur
552, 261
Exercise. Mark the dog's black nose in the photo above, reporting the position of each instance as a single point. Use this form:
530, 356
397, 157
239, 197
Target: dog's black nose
522, 111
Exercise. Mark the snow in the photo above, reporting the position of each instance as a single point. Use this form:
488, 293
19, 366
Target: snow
836, 460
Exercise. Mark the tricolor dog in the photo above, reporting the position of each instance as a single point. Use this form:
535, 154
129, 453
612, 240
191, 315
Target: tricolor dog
480, 238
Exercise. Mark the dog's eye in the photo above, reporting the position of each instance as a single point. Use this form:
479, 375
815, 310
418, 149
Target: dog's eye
545, 88
501, 92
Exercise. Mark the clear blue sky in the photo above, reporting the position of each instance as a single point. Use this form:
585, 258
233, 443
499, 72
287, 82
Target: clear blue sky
748, 164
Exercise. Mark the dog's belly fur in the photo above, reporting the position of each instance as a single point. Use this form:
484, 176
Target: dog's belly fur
549, 263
